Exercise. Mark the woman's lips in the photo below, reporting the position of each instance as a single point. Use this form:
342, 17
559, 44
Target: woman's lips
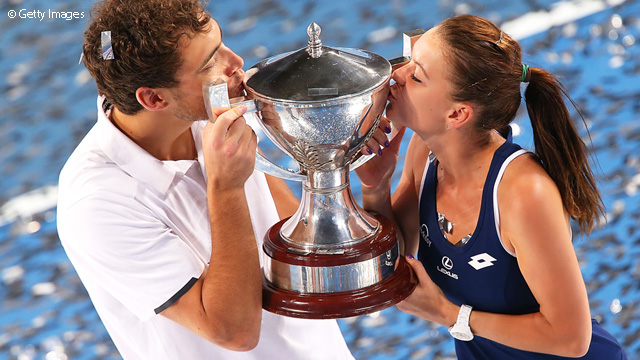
391, 97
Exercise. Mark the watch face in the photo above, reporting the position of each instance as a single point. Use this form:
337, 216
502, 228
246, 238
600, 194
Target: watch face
462, 335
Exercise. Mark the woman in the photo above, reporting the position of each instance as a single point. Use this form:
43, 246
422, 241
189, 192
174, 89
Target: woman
490, 223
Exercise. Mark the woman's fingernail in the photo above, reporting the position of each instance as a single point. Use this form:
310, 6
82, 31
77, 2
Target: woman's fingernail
242, 108
386, 143
380, 152
369, 151
410, 256
387, 129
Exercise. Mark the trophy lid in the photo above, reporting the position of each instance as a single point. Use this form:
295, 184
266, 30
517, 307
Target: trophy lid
317, 73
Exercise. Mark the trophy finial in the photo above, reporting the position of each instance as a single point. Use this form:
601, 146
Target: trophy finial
315, 45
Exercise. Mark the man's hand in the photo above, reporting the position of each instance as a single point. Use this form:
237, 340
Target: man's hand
229, 147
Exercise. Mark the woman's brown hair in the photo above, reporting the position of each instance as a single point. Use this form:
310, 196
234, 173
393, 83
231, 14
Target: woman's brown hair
144, 37
486, 70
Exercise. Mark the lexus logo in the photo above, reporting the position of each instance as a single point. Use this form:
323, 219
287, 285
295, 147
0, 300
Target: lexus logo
447, 263
424, 231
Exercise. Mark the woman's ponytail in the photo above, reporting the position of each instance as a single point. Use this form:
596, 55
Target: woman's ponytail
560, 149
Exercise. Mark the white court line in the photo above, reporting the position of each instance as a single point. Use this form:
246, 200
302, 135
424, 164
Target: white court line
560, 13
28, 204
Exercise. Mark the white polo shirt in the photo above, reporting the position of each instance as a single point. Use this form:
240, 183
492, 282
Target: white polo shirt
136, 230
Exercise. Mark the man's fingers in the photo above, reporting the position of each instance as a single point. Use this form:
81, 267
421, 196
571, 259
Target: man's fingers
249, 139
226, 121
236, 129
217, 111
227, 115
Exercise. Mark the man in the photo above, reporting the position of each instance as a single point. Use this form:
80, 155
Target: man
162, 214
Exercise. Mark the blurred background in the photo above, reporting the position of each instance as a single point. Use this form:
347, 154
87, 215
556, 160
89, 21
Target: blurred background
47, 104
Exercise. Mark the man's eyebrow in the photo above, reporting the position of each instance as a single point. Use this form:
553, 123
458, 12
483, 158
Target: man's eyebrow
206, 61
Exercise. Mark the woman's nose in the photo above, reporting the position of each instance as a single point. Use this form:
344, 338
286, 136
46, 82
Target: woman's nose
400, 75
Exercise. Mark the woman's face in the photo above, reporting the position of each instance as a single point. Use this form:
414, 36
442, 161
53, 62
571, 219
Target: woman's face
420, 97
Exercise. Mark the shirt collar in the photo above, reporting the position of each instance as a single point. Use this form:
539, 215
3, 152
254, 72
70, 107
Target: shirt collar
133, 159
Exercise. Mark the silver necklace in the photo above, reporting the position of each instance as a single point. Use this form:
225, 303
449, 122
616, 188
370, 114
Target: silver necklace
446, 227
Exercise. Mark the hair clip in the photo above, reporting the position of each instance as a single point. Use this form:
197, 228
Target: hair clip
107, 49
499, 40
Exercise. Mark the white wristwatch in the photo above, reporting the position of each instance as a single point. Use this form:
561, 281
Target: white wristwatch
461, 330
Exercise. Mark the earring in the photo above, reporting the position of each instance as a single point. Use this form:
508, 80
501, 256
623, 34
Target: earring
447, 126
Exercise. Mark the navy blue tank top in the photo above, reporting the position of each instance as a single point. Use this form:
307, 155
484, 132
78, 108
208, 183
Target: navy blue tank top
482, 273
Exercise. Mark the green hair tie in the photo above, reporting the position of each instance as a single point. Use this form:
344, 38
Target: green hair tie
525, 69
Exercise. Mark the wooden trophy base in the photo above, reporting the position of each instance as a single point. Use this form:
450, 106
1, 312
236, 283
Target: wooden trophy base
332, 305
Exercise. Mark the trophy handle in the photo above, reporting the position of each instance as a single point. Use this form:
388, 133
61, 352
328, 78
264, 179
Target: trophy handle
268, 167
360, 161
216, 95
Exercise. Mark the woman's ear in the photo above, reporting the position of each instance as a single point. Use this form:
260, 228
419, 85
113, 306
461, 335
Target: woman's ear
151, 99
459, 115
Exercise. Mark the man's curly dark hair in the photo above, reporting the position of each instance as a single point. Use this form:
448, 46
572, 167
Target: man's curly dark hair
145, 36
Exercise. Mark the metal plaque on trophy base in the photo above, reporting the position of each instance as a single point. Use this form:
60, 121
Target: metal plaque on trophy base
366, 277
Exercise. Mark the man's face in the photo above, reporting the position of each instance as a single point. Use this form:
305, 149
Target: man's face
204, 58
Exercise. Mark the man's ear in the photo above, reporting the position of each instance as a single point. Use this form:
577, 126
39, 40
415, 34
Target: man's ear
151, 99
459, 115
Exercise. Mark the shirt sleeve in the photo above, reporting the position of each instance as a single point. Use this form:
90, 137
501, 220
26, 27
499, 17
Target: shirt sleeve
119, 245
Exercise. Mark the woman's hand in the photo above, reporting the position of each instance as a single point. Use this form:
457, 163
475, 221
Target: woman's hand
427, 300
379, 139
376, 173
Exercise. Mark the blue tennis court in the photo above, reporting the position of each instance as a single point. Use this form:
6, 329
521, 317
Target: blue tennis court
47, 104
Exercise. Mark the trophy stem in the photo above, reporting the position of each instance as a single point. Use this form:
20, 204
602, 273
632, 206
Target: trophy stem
328, 219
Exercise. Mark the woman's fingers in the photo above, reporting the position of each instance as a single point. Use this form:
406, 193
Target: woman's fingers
382, 138
376, 143
419, 270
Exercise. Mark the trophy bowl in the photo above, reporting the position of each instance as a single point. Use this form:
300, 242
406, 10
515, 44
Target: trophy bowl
320, 105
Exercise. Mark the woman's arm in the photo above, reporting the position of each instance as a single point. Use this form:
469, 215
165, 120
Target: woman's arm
406, 195
535, 226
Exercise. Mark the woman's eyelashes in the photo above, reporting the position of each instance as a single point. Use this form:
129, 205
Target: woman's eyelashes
414, 78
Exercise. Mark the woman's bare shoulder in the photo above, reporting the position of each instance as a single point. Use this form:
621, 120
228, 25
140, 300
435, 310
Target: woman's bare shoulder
526, 179
527, 191
416, 159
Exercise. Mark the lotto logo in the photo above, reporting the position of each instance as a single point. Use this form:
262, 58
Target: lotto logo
481, 261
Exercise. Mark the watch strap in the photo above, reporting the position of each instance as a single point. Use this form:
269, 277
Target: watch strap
461, 329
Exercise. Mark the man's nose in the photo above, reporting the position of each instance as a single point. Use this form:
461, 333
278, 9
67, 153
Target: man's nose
235, 63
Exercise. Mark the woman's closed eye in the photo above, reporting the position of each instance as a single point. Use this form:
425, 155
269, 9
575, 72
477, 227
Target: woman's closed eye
414, 78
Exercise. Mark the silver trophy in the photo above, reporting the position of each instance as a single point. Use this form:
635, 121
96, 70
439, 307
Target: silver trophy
320, 105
